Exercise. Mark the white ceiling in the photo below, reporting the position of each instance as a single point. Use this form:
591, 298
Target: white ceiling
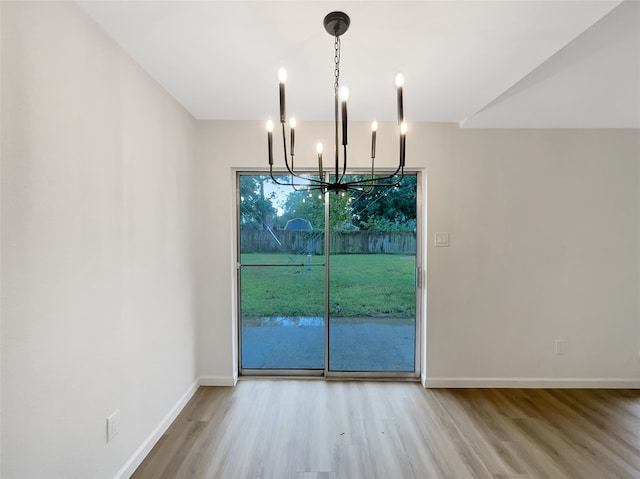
559, 64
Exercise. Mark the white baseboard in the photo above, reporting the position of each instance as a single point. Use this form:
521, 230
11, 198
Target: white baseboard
218, 380
531, 383
138, 456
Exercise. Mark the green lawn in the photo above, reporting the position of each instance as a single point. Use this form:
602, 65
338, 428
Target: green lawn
364, 285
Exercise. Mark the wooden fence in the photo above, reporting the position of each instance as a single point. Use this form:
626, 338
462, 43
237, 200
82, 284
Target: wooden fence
347, 242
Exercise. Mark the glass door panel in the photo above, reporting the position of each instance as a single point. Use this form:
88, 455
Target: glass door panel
282, 317
281, 277
372, 285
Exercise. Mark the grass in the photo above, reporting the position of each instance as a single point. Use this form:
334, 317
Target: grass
363, 285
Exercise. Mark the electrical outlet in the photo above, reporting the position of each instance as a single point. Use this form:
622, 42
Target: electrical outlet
113, 425
561, 346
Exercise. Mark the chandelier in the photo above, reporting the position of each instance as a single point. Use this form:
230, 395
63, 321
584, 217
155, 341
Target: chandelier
336, 24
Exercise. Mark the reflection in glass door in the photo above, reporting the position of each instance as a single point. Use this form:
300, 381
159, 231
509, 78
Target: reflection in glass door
365, 287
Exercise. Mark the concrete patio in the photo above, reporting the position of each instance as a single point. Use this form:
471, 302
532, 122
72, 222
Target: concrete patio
356, 344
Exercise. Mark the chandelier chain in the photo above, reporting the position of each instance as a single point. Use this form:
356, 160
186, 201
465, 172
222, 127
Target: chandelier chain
336, 59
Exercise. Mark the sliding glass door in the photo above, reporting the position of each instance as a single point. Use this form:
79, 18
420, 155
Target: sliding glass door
372, 285
281, 277
349, 312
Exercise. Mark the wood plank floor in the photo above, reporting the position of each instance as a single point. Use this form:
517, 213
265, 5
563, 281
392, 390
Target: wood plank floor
305, 429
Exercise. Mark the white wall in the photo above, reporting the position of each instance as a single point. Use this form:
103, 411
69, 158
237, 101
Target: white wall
97, 310
545, 245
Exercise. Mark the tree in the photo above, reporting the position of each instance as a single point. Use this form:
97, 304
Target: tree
256, 208
310, 206
387, 209
381, 209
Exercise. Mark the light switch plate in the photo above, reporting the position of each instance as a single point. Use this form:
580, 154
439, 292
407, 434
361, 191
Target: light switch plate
113, 425
442, 240
561, 346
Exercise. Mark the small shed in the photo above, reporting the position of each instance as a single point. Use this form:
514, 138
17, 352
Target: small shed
298, 224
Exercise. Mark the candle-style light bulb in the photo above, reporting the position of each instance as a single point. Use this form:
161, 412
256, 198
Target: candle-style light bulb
270, 140
344, 93
292, 125
399, 83
282, 77
403, 128
319, 148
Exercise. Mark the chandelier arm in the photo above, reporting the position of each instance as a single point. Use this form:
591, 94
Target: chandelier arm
273, 178
376, 181
310, 182
293, 174
306, 186
344, 163
293, 185
372, 182
373, 170
277, 182
324, 188
369, 188
378, 178
290, 169
281, 183
284, 148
